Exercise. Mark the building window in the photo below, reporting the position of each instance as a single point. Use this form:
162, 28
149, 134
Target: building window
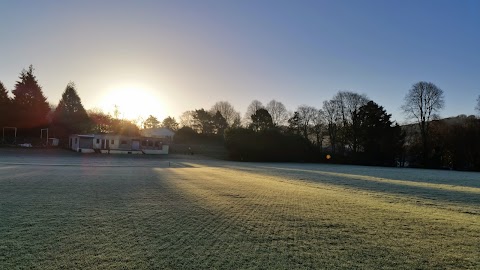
98, 141
123, 142
144, 143
112, 141
157, 143
150, 143
76, 140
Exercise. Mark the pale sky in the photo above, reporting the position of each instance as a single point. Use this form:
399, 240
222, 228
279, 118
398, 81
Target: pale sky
166, 57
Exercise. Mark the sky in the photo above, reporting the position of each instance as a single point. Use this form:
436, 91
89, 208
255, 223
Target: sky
167, 57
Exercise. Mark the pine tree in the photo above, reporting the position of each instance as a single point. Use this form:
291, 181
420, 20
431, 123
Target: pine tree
70, 117
380, 139
151, 122
30, 106
170, 123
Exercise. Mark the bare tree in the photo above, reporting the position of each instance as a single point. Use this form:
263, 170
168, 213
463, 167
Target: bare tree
278, 112
421, 103
332, 118
318, 127
348, 104
187, 119
252, 109
306, 115
227, 111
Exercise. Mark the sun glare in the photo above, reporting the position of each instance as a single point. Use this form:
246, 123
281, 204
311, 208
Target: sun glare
133, 103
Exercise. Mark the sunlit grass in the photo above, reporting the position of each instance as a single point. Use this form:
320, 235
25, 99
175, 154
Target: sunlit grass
231, 216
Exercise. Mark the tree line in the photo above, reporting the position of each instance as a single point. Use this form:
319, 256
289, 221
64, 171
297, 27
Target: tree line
348, 128
28, 112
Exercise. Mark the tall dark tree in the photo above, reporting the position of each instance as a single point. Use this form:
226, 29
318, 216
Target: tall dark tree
29, 104
219, 122
261, 120
422, 102
5, 106
170, 123
203, 122
70, 116
379, 139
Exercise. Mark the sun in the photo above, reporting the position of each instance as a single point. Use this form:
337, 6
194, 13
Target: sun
133, 103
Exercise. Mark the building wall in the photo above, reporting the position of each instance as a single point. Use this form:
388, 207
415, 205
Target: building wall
117, 143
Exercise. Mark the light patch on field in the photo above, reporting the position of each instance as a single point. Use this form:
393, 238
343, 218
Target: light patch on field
316, 223
386, 180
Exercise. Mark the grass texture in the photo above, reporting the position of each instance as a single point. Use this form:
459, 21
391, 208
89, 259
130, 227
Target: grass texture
220, 215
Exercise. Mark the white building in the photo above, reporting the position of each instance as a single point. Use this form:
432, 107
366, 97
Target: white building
118, 144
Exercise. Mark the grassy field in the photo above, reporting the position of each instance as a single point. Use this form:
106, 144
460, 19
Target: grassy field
224, 215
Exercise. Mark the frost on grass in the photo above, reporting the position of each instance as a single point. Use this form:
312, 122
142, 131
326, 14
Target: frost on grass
208, 214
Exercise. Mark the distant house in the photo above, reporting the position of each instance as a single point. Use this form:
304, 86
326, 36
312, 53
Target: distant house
163, 133
117, 144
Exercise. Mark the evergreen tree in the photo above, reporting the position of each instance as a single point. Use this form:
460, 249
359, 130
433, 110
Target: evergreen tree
380, 140
29, 104
5, 106
170, 123
203, 122
261, 120
151, 122
70, 117
220, 123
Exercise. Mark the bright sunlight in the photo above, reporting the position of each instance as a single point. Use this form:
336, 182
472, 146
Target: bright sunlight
133, 103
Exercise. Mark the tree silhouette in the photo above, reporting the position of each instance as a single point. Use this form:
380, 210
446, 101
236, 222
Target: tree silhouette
5, 107
70, 116
278, 112
187, 119
170, 123
29, 103
227, 111
151, 122
219, 122
422, 102
294, 124
318, 127
203, 122
379, 140
251, 110
332, 117
348, 104
306, 115
261, 120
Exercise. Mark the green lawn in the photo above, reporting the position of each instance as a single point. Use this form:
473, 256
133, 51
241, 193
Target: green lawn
232, 215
